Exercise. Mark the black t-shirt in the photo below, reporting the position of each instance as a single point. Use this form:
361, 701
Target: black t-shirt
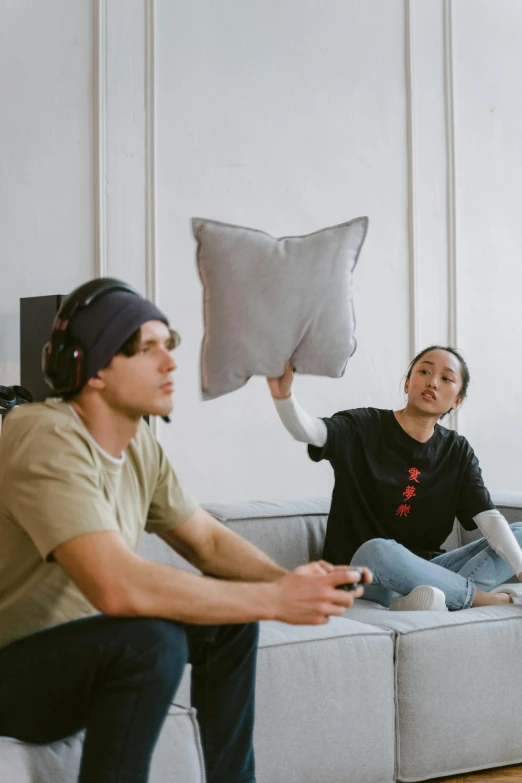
389, 485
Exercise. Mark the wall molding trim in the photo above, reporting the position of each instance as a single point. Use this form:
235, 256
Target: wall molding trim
150, 153
450, 171
100, 139
451, 201
151, 282
412, 176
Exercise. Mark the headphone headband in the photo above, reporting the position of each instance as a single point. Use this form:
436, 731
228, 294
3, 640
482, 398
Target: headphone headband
90, 292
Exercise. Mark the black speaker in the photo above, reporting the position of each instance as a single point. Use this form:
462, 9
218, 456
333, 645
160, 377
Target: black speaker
36, 324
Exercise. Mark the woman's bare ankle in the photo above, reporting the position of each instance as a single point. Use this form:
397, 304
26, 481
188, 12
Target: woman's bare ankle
491, 599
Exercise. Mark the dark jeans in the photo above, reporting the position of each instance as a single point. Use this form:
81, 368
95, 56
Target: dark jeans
116, 677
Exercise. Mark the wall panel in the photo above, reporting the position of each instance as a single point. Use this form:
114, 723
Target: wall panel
287, 122
488, 117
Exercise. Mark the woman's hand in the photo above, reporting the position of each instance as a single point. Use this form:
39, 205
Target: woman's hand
281, 388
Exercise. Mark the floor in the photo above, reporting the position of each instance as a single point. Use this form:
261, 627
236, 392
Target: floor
498, 775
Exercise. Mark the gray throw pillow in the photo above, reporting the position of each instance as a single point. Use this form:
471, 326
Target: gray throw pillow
268, 301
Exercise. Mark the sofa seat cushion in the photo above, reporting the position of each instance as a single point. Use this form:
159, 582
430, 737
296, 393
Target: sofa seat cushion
458, 685
177, 755
54, 763
313, 684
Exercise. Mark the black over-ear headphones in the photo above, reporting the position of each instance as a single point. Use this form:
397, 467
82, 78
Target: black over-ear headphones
63, 361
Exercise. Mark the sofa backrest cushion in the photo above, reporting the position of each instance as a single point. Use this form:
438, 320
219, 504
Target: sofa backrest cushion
291, 532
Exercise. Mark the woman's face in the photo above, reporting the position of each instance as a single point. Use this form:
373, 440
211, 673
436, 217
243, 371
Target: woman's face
435, 383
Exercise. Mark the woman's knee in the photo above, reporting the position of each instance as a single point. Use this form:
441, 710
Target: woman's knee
373, 551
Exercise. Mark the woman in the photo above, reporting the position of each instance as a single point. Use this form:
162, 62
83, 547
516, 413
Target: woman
400, 481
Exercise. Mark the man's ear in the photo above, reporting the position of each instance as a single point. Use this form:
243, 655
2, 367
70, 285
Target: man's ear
96, 383
406, 386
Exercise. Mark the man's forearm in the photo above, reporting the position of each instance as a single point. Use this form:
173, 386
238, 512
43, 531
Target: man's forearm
233, 557
157, 590
120, 583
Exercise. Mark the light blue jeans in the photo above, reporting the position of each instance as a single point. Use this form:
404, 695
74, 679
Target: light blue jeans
459, 573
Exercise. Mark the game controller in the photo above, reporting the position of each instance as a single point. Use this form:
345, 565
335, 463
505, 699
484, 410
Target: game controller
350, 586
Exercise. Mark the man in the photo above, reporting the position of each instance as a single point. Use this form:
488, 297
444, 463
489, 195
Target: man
92, 635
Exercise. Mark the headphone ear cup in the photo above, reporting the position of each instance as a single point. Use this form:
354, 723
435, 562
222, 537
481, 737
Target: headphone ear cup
70, 369
50, 353
48, 364
63, 367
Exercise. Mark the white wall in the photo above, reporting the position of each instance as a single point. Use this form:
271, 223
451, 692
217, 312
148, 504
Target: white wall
489, 214
263, 119
286, 116
46, 157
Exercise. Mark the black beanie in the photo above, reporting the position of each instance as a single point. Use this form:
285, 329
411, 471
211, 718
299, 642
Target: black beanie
104, 326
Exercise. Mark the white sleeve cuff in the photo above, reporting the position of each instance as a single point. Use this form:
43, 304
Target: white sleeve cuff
495, 528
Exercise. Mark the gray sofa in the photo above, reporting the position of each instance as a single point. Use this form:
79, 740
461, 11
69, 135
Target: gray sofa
372, 697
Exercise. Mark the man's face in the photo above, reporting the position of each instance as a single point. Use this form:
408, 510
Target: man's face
142, 384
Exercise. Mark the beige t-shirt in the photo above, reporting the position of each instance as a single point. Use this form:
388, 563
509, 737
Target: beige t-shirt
56, 483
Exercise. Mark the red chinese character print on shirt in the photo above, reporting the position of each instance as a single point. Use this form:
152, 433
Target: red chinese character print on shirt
410, 492
414, 474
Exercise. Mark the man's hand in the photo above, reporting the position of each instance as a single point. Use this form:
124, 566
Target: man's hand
281, 388
308, 594
366, 576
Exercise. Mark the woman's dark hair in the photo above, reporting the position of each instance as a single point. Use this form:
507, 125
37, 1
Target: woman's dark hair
466, 377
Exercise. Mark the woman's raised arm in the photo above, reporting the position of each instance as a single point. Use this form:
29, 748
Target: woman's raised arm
299, 423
